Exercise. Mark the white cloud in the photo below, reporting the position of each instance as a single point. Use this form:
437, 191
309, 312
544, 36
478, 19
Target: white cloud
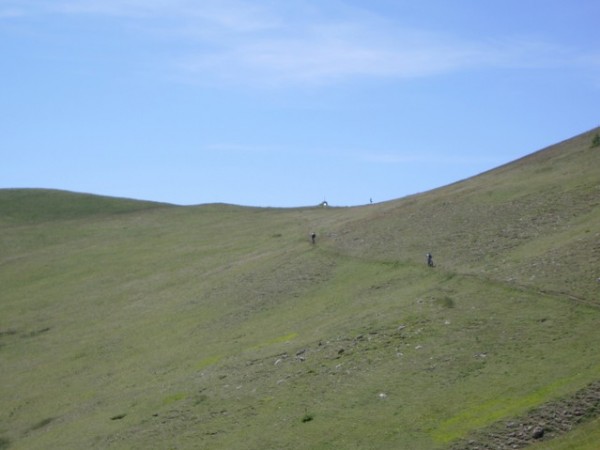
231, 15
298, 42
327, 52
7, 13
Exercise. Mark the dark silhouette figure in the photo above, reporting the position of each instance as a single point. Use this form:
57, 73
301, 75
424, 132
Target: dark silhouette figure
429, 259
313, 238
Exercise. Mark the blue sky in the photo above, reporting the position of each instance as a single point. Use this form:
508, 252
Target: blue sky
287, 103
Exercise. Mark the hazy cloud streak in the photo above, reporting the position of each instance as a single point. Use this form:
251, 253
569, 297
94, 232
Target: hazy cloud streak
270, 44
425, 158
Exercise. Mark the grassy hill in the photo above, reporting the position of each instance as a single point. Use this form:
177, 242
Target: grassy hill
128, 324
41, 205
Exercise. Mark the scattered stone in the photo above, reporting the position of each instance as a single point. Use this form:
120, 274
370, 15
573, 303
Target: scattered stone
382, 395
300, 355
537, 433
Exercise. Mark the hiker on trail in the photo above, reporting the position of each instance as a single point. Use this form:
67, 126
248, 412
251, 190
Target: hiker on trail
429, 259
313, 237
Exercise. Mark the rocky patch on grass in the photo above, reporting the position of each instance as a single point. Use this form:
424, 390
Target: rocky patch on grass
543, 423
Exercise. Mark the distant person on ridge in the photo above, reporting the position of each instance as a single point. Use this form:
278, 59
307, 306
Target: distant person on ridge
429, 259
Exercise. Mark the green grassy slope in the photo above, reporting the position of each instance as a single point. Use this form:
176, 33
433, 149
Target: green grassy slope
134, 325
533, 222
42, 205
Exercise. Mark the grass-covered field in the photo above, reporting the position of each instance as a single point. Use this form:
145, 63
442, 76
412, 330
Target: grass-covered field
128, 324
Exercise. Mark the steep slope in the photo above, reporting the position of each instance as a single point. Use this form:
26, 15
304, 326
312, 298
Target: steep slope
533, 222
224, 327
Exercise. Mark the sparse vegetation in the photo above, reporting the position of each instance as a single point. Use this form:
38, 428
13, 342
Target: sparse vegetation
42, 424
596, 140
137, 325
307, 418
446, 302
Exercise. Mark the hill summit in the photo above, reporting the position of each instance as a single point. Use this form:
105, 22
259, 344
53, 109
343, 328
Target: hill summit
127, 325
